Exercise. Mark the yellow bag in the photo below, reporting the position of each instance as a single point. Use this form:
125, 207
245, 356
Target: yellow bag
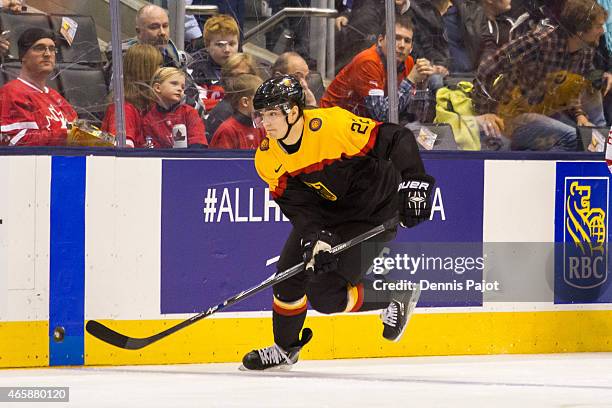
454, 106
82, 133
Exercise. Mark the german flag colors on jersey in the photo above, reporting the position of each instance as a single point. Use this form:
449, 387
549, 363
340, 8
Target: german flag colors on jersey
347, 168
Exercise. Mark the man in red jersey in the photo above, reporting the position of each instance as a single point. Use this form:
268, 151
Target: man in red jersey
368, 72
32, 113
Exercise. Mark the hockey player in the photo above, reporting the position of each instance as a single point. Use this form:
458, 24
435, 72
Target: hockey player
334, 175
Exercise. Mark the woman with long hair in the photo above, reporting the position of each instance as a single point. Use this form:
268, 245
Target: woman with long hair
139, 64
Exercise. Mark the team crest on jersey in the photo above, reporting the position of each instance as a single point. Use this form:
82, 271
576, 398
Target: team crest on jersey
315, 124
264, 145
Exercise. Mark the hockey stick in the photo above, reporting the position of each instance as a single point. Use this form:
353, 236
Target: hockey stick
110, 336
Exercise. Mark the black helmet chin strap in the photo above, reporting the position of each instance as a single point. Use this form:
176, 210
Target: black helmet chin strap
290, 125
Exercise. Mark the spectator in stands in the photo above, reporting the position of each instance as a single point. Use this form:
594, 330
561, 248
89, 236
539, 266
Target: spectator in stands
351, 88
30, 112
292, 63
603, 61
238, 64
478, 28
140, 63
169, 123
15, 7
5, 45
234, 8
12, 5
153, 27
193, 32
358, 27
221, 42
500, 27
532, 86
238, 131
430, 39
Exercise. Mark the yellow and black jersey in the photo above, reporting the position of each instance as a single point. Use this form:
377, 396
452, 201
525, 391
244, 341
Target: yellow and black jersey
347, 168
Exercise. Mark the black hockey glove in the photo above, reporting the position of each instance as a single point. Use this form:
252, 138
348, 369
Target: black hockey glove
415, 195
316, 252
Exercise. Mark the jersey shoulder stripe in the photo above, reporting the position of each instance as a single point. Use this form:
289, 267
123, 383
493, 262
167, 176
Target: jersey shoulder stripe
329, 135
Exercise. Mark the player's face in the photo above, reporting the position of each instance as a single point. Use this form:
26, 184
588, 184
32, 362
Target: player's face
273, 120
154, 28
221, 47
40, 58
171, 90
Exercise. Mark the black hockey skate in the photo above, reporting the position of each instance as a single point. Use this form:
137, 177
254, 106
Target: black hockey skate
396, 316
275, 357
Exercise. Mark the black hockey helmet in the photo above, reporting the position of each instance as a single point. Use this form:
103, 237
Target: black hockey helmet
283, 91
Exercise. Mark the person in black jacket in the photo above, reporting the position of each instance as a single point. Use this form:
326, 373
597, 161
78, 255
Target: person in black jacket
430, 39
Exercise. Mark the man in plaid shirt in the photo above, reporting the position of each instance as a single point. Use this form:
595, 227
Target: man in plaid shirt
534, 88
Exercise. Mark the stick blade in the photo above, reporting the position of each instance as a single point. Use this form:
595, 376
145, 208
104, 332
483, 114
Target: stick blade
107, 335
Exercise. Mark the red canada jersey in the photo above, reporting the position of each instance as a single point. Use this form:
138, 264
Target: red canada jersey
177, 127
133, 124
211, 94
237, 132
353, 83
30, 116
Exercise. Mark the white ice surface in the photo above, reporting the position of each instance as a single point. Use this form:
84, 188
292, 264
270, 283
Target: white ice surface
561, 380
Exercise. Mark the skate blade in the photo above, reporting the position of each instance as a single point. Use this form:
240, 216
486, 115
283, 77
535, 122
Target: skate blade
414, 299
282, 368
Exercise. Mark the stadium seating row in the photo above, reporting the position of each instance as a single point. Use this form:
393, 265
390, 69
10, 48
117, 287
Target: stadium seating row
84, 49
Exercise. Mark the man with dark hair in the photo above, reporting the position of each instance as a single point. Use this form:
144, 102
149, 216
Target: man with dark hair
533, 86
334, 175
366, 74
30, 112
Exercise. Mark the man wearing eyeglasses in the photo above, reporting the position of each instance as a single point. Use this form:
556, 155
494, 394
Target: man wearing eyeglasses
31, 113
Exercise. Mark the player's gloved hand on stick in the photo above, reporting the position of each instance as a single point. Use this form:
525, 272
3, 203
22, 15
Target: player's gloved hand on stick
316, 252
415, 194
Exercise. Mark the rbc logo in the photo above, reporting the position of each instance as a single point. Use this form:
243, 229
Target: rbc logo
585, 231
